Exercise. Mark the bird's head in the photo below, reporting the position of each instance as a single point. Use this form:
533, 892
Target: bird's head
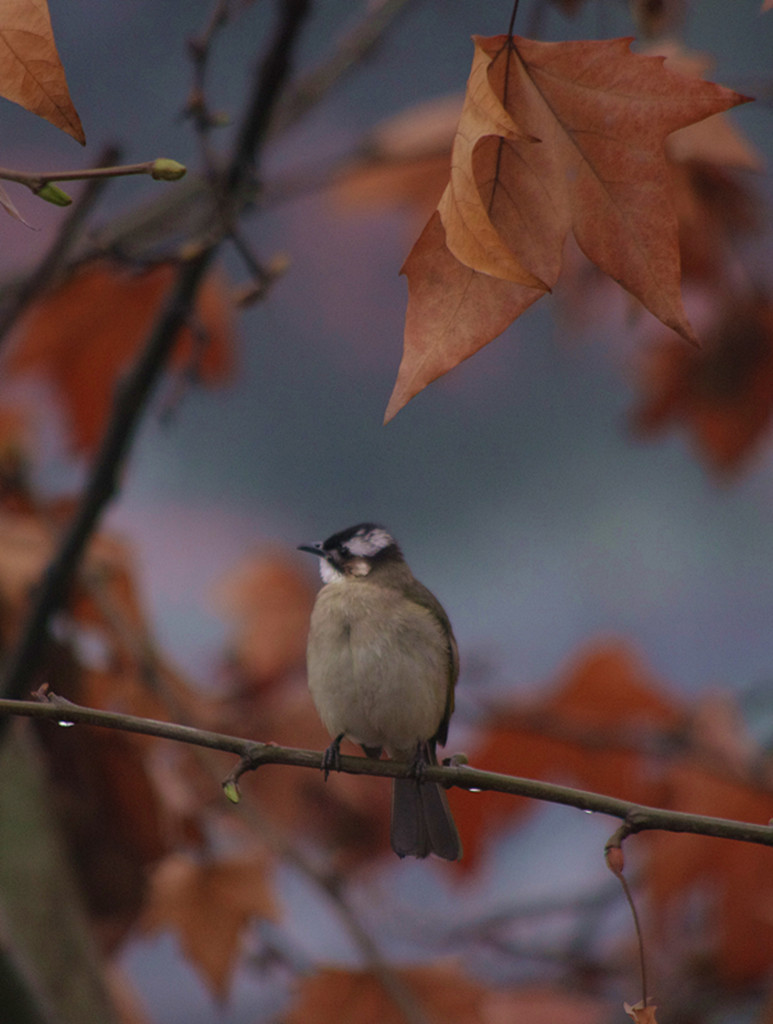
354, 552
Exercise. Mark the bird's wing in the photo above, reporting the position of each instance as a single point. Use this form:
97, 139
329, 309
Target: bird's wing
419, 594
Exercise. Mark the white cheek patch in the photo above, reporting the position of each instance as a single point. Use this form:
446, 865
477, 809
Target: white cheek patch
328, 573
369, 544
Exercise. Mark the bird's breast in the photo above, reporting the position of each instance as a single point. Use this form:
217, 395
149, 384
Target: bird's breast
378, 665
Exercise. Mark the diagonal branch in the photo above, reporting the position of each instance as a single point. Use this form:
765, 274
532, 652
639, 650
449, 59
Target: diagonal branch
132, 397
130, 402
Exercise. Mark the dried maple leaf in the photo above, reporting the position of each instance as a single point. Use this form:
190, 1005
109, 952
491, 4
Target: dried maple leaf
209, 904
723, 393
601, 115
31, 73
453, 312
82, 335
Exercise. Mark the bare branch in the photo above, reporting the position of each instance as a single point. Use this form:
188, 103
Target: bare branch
162, 169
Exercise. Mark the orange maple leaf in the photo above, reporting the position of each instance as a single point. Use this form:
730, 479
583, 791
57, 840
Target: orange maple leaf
31, 73
84, 333
601, 116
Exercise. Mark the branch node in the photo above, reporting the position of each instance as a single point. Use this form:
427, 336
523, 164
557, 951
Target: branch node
250, 760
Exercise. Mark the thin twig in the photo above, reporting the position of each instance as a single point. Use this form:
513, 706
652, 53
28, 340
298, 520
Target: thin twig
197, 108
35, 180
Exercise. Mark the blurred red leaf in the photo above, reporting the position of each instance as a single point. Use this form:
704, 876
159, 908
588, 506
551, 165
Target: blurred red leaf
269, 602
733, 881
81, 336
444, 995
723, 393
209, 905
585, 732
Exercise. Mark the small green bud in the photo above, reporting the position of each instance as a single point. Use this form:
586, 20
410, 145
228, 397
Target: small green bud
167, 170
53, 194
231, 791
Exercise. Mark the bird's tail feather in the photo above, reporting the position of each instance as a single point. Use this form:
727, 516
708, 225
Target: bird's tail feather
422, 821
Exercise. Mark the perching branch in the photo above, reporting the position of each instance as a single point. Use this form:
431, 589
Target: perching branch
253, 755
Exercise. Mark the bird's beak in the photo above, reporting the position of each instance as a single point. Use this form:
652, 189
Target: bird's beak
313, 549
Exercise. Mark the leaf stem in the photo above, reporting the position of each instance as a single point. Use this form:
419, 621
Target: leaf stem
511, 26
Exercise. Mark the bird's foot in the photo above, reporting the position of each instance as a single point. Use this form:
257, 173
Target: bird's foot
331, 759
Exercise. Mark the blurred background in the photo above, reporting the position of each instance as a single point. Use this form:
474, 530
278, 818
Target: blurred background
517, 485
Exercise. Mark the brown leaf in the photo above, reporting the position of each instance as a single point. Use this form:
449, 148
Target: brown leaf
465, 207
31, 73
715, 207
723, 393
452, 312
415, 183
209, 904
601, 115
82, 335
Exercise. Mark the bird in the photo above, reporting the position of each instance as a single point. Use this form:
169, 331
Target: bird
382, 665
